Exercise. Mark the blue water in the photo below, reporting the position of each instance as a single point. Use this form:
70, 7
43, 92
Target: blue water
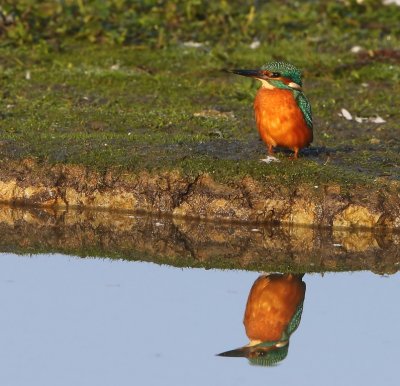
71, 321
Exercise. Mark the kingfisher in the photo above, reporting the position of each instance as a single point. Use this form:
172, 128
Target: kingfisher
273, 312
282, 111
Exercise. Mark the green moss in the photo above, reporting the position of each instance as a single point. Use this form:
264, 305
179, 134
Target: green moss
163, 23
143, 108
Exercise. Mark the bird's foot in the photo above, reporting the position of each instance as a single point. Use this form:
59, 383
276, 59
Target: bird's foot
269, 159
295, 155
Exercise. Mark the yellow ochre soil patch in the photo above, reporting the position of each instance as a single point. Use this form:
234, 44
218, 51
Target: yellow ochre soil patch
201, 197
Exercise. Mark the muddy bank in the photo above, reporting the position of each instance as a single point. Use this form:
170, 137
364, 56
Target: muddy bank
176, 242
201, 197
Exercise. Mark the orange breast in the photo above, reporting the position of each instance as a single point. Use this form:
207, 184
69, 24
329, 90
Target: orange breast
272, 302
280, 121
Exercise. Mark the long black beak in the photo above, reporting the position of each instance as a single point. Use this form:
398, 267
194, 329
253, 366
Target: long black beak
249, 73
238, 352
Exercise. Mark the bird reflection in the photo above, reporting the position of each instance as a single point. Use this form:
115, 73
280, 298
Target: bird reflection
273, 313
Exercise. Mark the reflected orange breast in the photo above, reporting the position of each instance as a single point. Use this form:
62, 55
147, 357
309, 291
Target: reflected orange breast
272, 302
280, 121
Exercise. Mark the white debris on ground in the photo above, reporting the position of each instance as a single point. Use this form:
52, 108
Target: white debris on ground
347, 115
255, 44
269, 159
376, 119
193, 44
356, 49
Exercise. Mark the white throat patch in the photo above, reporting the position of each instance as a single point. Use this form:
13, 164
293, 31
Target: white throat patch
265, 84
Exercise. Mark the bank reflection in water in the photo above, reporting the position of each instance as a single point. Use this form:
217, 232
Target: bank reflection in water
272, 314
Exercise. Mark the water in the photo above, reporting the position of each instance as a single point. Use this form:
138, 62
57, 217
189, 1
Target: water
72, 321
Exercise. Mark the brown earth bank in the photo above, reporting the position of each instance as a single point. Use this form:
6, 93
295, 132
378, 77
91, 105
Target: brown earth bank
178, 242
28, 182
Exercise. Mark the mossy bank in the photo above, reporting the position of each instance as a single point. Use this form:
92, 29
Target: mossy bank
156, 125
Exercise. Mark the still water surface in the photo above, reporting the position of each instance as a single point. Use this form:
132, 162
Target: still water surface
71, 321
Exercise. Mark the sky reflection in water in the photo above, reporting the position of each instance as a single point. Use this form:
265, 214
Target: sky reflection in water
71, 321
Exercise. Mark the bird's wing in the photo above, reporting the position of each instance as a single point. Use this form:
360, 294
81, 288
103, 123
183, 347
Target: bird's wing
295, 321
305, 107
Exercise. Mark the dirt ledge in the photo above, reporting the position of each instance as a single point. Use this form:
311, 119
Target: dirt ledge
247, 200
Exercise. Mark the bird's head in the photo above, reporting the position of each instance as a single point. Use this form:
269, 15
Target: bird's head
260, 355
275, 75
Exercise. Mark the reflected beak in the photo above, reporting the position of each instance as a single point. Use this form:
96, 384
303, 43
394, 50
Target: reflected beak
250, 73
238, 352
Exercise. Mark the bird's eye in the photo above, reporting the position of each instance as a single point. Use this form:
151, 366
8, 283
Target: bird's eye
275, 75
